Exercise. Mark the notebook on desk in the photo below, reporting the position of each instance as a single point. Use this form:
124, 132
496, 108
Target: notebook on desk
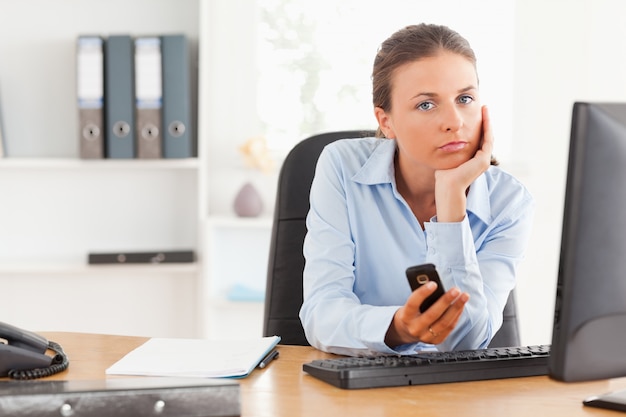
195, 357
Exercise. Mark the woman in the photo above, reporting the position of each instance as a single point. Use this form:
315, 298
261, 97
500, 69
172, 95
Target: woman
425, 191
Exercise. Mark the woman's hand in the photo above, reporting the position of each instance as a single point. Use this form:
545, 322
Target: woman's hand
433, 326
451, 184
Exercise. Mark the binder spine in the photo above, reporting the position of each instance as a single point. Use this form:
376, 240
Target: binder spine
148, 97
177, 132
90, 96
119, 97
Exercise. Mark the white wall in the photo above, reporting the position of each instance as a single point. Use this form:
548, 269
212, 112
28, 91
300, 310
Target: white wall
565, 51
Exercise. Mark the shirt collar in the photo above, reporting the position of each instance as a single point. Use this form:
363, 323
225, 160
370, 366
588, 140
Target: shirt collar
379, 167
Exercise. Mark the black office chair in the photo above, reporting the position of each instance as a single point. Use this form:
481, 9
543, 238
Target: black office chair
283, 295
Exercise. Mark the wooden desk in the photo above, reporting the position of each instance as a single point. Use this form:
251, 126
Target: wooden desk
283, 389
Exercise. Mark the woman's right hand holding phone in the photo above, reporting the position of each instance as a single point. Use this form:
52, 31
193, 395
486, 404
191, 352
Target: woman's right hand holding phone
432, 326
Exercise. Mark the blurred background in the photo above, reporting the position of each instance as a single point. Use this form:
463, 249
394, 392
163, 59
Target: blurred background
279, 70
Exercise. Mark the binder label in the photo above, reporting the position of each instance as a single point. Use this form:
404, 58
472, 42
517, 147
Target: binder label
148, 85
90, 82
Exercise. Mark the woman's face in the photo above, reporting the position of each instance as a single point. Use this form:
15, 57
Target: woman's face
435, 114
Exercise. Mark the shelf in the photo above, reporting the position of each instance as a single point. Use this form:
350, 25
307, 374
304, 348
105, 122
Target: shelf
234, 222
74, 269
82, 164
58, 207
221, 303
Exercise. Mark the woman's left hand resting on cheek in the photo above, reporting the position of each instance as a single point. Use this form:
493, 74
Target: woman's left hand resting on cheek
451, 184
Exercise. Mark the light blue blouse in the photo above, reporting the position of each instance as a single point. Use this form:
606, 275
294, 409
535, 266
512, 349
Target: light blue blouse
362, 236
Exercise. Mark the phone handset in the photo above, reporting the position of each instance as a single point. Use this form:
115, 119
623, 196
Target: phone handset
23, 354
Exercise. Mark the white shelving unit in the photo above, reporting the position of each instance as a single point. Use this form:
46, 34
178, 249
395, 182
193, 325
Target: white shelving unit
234, 250
235, 265
56, 208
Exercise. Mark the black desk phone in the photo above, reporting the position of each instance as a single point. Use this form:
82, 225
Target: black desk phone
23, 354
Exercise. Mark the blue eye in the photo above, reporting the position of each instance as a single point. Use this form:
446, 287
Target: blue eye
466, 99
426, 105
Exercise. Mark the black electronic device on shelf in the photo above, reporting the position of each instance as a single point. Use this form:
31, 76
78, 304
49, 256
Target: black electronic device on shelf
154, 257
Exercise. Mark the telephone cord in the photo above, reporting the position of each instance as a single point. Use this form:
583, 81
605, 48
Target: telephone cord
59, 363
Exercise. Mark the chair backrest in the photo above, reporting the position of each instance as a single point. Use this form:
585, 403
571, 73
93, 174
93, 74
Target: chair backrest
283, 295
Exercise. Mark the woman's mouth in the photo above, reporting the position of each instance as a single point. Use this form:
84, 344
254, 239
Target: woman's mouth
453, 146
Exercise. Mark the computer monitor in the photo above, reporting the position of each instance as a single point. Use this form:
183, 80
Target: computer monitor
589, 335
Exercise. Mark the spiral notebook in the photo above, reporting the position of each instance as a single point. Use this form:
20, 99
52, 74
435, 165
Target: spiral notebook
195, 357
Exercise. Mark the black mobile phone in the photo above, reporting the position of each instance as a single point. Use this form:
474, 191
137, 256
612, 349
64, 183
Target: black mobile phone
419, 275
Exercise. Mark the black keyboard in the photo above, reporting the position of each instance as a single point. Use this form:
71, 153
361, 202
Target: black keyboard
431, 367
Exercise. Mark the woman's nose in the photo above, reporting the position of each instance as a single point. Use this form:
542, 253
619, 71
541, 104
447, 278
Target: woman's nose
451, 119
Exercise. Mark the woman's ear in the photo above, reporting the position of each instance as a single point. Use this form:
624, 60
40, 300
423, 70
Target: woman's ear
384, 122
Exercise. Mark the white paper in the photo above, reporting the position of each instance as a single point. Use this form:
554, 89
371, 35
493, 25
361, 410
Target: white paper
194, 357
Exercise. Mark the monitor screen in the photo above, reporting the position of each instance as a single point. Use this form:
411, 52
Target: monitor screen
589, 335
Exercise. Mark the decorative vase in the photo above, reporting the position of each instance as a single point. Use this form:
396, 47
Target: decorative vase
248, 202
